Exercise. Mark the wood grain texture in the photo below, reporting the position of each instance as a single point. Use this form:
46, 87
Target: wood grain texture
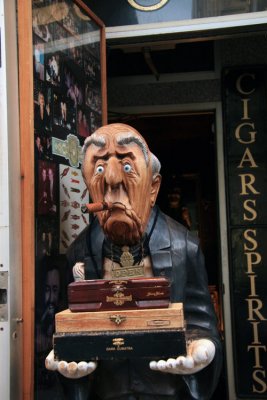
167, 318
27, 189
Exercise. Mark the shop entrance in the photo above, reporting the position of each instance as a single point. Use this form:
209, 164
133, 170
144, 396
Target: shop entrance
185, 144
186, 147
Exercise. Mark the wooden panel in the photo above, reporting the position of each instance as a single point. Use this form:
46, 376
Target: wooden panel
27, 189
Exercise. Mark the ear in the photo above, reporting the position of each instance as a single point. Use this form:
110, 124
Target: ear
156, 181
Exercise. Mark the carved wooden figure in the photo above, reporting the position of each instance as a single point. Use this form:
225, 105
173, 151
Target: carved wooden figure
131, 237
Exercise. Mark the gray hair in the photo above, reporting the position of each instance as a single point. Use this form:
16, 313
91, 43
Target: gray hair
123, 139
97, 140
127, 138
156, 165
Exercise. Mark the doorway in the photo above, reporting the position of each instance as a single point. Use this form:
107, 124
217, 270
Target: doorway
185, 144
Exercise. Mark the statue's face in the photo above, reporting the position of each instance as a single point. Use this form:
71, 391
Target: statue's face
120, 174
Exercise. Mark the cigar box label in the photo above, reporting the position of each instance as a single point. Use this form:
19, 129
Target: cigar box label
155, 294
118, 344
159, 322
119, 298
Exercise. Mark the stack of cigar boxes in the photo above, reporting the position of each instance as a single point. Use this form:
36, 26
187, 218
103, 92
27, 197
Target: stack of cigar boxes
114, 319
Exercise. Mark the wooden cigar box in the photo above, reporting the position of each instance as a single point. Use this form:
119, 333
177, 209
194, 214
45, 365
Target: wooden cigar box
150, 319
103, 294
86, 346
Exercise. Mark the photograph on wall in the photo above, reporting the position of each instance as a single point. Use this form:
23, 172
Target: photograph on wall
73, 82
47, 188
73, 194
53, 63
91, 67
42, 107
46, 236
64, 114
83, 121
39, 60
52, 278
93, 97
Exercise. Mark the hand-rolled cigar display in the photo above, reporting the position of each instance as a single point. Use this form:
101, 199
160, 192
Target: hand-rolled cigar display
96, 207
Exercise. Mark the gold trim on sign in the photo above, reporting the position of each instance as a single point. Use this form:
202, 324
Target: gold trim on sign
153, 7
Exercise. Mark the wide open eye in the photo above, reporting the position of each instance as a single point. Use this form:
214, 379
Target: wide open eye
127, 167
100, 169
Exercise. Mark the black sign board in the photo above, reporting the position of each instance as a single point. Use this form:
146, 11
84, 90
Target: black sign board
133, 12
245, 138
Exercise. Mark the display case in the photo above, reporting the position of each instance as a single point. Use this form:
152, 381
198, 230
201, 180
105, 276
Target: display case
63, 100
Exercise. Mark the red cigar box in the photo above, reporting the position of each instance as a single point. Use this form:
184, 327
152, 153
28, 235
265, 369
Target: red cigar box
126, 294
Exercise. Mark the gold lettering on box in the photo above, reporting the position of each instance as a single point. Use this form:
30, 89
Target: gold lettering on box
153, 294
118, 298
118, 341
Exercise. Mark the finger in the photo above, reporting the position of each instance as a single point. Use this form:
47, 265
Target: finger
82, 367
72, 368
189, 362
180, 361
91, 366
153, 365
162, 365
171, 363
62, 366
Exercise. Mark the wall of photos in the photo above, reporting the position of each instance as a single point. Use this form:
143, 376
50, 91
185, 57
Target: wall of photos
67, 109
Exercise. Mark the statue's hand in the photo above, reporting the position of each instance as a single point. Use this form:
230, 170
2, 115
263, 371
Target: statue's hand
78, 272
200, 353
70, 370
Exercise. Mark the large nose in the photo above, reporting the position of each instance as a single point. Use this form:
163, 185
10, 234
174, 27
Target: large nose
113, 173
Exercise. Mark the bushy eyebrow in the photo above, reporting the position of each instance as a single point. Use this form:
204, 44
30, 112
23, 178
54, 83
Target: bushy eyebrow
97, 140
127, 138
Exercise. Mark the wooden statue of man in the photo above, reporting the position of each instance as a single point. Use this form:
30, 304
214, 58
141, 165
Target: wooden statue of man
119, 169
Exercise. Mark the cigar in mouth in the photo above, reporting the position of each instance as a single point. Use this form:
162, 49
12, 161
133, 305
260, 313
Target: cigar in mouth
96, 207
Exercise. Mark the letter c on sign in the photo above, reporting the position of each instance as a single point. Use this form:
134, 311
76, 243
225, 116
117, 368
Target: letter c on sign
153, 7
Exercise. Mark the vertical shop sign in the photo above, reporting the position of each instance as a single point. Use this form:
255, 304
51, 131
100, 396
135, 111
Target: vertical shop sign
245, 138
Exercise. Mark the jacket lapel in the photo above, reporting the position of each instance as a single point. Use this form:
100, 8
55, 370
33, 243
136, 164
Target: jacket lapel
159, 245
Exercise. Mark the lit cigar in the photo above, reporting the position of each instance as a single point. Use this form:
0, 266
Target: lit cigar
96, 207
